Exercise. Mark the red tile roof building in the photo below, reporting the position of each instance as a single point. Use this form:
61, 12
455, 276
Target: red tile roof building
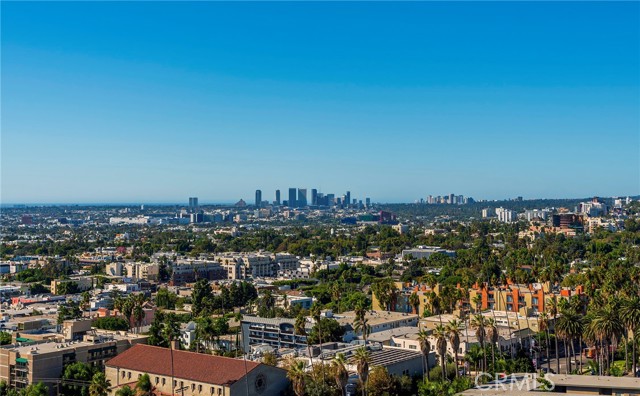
193, 373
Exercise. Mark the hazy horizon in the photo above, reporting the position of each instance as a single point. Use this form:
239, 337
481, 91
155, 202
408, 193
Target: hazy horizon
159, 101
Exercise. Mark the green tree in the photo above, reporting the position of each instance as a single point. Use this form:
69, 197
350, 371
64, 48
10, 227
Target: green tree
362, 359
77, 372
37, 389
144, 386
125, 391
99, 385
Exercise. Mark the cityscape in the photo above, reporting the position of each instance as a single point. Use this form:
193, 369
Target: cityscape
320, 199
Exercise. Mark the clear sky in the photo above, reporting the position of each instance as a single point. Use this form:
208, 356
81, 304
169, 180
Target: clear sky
159, 101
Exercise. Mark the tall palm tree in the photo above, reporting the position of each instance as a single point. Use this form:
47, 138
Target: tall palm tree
414, 301
425, 348
299, 328
454, 331
544, 327
362, 359
570, 327
478, 323
361, 325
553, 311
297, 376
492, 335
99, 385
316, 315
607, 327
630, 315
138, 309
340, 372
440, 333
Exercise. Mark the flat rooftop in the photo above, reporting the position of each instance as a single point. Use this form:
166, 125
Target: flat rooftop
374, 317
49, 347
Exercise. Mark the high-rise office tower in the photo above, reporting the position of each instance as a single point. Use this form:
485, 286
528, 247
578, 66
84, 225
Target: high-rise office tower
368, 202
331, 198
277, 197
193, 204
302, 197
258, 198
314, 197
292, 198
347, 199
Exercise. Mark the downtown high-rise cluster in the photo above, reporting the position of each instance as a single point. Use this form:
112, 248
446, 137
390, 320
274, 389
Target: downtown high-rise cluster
298, 198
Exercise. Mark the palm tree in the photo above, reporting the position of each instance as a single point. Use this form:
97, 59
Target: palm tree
440, 333
361, 325
362, 359
340, 372
414, 301
553, 311
299, 329
454, 331
607, 327
144, 386
544, 327
425, 348
297, 376
125, 391
316, 314
630, 315
478, 323
99, 385
570, 327
492, 335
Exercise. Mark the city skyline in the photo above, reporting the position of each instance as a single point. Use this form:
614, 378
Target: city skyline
217, 100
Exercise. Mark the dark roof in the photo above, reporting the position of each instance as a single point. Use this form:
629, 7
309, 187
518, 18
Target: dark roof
191, 366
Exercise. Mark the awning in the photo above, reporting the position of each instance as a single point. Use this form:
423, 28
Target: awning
21, 360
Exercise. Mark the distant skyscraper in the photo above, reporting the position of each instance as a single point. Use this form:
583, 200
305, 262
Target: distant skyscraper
193, 204
331, 199
302, 197
347, 198
258, 198
278, 197
368, 201
314, 197
292, 198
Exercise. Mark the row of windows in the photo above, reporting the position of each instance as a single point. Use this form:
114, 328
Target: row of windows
163, 382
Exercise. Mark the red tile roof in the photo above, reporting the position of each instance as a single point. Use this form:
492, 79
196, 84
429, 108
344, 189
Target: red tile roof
190, 366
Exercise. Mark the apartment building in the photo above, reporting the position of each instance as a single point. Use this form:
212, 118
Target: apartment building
277, 333
186, 271
136, 271
402, 300
189, 373
82, 282
28, 362
527, 300
426, 252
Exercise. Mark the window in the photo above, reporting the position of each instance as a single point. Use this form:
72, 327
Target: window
164, 381
193, 387
123, 374
199, 388
129, 375
412, 347
157, 380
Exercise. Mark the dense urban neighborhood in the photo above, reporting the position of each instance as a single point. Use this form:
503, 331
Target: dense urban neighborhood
328, 297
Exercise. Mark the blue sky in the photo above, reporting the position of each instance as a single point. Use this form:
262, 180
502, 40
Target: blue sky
159, 101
